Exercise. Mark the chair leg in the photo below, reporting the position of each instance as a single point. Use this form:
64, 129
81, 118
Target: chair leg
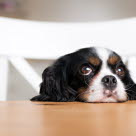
26, 71
4, 68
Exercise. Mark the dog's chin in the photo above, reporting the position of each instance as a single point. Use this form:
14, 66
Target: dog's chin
106, 99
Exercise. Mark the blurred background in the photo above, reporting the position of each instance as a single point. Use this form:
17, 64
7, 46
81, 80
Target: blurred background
68, 10
57, 11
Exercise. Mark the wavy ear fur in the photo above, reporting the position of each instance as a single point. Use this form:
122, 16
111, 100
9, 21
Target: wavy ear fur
54, 86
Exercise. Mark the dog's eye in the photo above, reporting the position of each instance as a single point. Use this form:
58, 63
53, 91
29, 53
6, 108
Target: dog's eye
120, 71
86, 70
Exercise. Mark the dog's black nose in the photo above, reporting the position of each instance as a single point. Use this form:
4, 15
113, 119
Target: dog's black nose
109, 82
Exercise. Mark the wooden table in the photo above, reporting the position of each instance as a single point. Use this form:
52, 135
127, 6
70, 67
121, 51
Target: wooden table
25, 118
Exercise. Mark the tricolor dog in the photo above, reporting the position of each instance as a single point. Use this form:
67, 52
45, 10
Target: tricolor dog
92, 74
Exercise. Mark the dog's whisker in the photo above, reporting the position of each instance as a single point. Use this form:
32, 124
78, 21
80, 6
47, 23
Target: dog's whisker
86, 82
129, 86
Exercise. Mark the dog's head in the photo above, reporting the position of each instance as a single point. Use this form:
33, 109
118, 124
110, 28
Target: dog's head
89, 75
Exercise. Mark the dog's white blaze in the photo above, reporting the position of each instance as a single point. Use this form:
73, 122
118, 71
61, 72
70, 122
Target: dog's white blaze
97, 95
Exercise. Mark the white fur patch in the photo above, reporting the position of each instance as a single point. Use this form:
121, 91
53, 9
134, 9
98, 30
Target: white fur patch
97, 94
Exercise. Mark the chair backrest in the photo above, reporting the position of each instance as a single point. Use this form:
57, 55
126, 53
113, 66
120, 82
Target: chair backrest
21, 39
42, 40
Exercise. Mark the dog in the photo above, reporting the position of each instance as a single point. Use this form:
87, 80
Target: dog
92, 74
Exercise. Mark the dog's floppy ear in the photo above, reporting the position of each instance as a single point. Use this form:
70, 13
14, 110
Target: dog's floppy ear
54, 86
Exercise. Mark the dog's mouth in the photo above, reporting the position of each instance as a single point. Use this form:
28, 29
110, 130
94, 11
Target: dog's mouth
107, 96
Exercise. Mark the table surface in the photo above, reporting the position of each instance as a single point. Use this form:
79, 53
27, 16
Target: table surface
25, 118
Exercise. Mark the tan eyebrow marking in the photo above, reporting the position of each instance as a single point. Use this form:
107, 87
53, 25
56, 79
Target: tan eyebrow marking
113, 60
95, 61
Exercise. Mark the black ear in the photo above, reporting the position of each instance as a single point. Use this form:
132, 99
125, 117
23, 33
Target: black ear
54, 86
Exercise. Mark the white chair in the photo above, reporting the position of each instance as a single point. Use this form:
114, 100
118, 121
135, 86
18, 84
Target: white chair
21, 40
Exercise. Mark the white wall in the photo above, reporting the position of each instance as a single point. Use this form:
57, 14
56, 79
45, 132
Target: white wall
79, 10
